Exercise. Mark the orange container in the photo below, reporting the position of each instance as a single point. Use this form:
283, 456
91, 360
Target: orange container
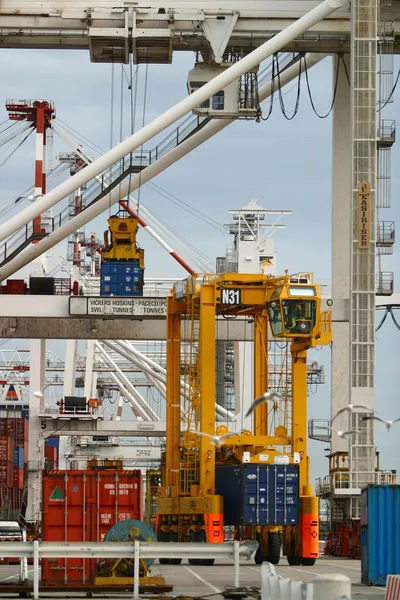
81, 506
18, 478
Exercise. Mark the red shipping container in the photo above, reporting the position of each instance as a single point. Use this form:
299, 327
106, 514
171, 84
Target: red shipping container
3, 426
18, 478
50, 454
6, 473
15, 286
81, 506
18, 430
6, 448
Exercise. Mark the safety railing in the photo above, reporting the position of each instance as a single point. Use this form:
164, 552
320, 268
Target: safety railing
137, 551
323, 587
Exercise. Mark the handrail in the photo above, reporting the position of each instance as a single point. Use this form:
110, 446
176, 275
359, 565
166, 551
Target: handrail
137, 550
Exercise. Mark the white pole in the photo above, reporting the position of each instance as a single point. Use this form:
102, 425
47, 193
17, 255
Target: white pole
236, 555
36, 569
90, 213
136, 570
220, 82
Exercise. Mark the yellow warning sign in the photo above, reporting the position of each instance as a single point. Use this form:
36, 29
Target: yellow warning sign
364, 211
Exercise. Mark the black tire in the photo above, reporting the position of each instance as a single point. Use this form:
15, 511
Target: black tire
274, 548
175, 561
258, 557
194, 561
164, 561
308, 562
207, 562
294, 561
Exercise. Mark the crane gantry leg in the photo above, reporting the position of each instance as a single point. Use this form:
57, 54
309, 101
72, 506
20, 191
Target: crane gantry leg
261, 371
300, 544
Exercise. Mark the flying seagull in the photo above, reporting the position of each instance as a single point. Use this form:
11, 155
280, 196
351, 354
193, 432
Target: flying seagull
340, 433
350, 408
217, 439
388, 424
273, 396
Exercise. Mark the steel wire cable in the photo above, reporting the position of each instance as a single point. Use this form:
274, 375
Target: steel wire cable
17, 131
16, 148
204, 264
271, 101
334, 90
139, 189
70, 129
197, 213
382, 320
394, 318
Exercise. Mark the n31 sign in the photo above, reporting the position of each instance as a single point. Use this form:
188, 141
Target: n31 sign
231, 297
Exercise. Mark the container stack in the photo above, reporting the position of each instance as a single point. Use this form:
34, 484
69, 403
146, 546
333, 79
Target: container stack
51, 450
14, 432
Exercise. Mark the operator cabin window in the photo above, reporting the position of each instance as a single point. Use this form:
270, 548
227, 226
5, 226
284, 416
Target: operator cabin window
217, 101
275, 317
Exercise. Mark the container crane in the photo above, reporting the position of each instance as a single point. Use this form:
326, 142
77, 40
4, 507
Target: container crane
195, 502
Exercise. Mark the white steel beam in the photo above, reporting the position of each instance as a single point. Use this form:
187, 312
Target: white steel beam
124, 453
35, 444
69, 390
132, 183
147, 411
237, 69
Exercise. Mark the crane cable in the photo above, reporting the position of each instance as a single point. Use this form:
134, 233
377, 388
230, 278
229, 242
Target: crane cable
15, 149
141, 147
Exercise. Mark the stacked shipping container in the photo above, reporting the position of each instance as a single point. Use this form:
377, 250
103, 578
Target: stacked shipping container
81, 506
13, 459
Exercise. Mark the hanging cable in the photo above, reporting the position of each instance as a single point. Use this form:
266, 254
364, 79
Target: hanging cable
334, 90
394, 318
111, 118
391, 93
271, 99
297, 103
382, 320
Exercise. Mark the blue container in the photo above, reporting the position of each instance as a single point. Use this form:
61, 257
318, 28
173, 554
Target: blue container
53, 441
380, 533
18, 459
121, 278
259, 494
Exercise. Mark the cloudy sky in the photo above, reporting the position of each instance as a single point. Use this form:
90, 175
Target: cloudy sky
285, 165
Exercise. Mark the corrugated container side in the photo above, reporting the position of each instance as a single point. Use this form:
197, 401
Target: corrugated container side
6, 448
259, 494
82, 506
18, 478
6, 473
121, 278
18, 457
380, 533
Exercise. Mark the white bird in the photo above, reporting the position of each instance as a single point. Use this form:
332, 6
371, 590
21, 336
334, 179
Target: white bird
388, 424
268, 396
340, 433
350, 408
217, 439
